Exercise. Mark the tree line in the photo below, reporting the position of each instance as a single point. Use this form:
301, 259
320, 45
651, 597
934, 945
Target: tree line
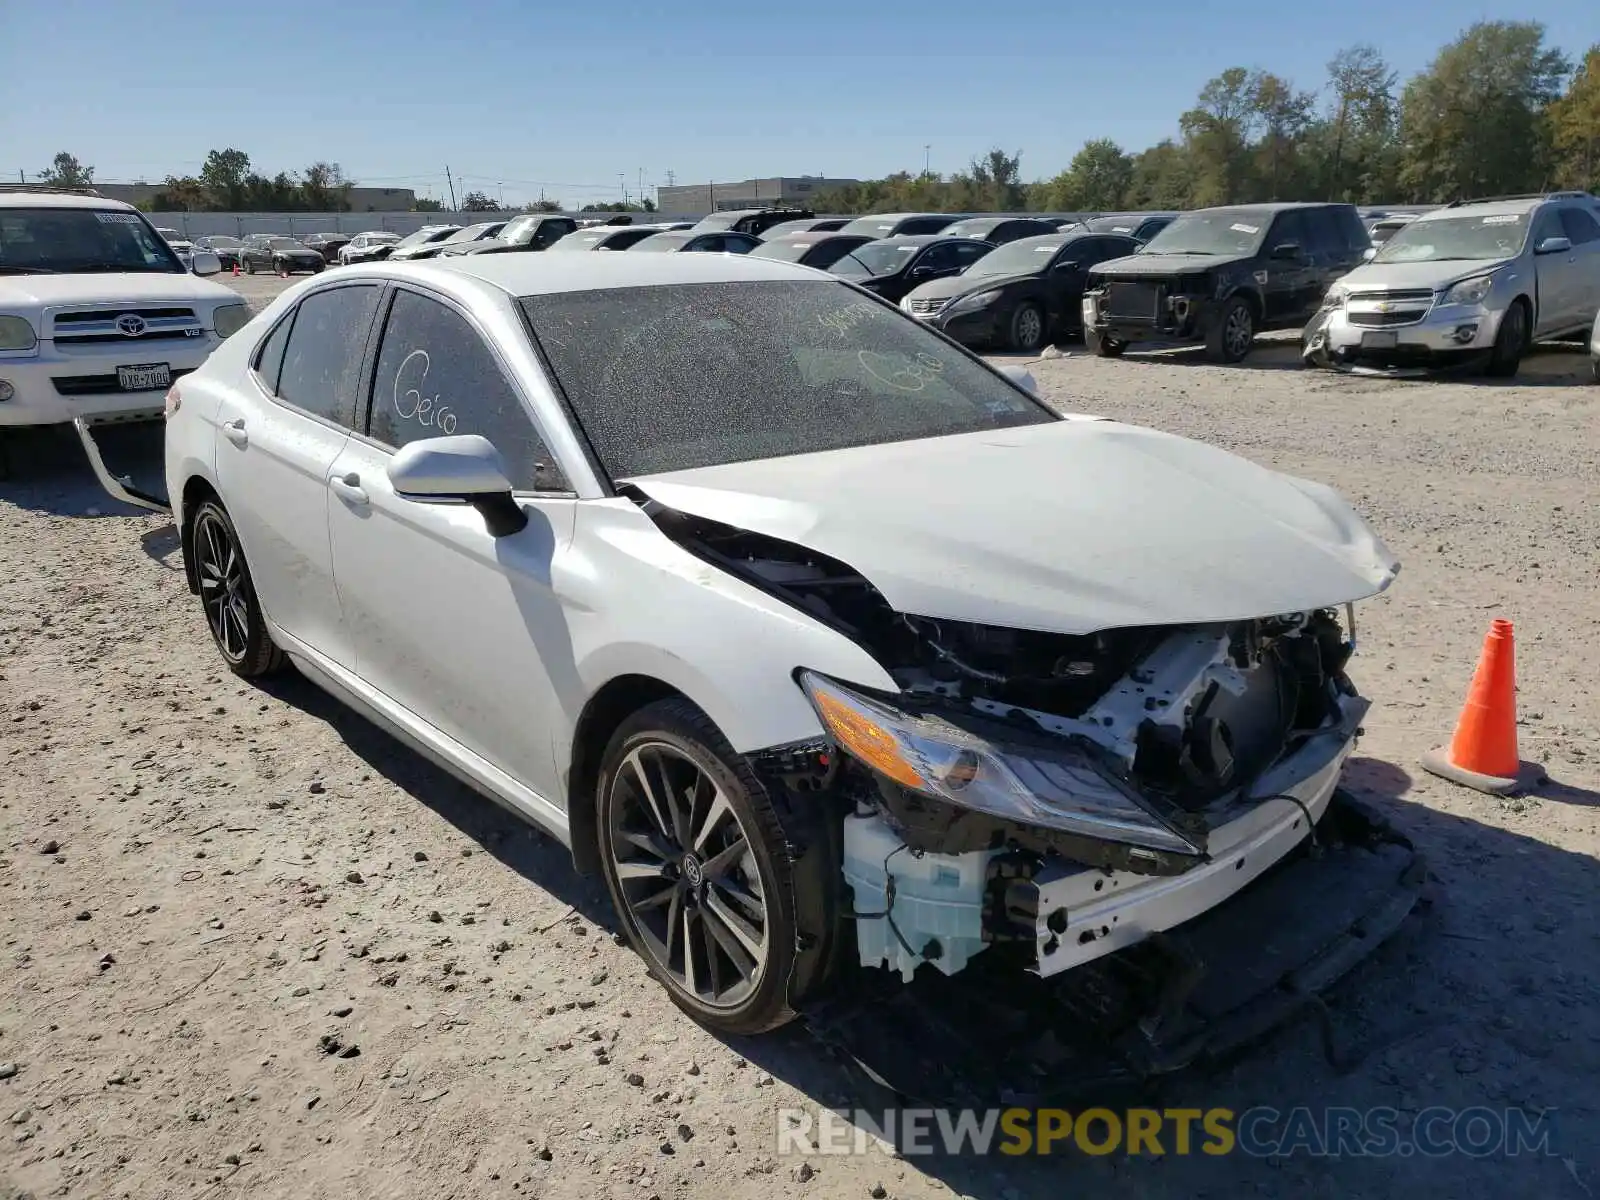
1498, 111
227, 184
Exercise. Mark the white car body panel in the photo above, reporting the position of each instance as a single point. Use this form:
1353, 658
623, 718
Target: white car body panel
1203, 521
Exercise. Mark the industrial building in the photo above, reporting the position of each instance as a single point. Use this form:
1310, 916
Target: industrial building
774, 192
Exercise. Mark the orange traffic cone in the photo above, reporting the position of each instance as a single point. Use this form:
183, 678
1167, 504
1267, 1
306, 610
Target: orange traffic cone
1483, 752
236, 268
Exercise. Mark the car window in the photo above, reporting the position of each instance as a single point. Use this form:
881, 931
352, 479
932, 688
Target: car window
1290, 227
436, 377
269, 358
1547, 224
968, 254
322, 365
1580, 226
549, 233
937, 258
1323, 240
740, 243
1356, 237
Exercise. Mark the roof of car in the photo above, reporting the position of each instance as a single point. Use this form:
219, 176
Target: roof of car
1268, 210
56, 199
539, 274
1487, 208
922, 239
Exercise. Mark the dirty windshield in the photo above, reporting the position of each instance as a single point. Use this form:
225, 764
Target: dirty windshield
668, 378
1452, 239
1225, 231
65, 241
876, 258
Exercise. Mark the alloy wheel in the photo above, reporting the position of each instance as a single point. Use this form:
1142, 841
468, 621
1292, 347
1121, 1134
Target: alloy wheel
688, 875
1239, 331
222, 588
1030, 327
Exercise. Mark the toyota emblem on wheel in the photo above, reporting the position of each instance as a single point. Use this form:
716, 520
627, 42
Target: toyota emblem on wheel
130, 325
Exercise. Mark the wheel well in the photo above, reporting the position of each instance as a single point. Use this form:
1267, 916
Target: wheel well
195, 492
1249, 297
608, 708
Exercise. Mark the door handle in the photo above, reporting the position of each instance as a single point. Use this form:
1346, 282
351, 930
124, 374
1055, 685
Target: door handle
235, 432
349, 488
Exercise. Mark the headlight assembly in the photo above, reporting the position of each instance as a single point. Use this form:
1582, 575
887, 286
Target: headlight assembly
228, 319
16, 334
1469, 291
979, 300
1055, 787
1333, 298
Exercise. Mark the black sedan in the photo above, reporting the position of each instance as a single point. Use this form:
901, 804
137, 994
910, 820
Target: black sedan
280, 254
999, 230
224, 247
1025, 293
530, 231
328, 244
726, 242
891, 267
808, 225
819, 250
608, 237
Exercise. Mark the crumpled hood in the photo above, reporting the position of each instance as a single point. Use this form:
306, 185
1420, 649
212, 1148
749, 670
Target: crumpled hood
111, 288
1137, 266
1069, 527
1435, 275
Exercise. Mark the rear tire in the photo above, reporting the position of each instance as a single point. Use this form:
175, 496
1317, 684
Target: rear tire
228, 596
1103, 346
1510, 342
710, 888
249, 266
1027, 330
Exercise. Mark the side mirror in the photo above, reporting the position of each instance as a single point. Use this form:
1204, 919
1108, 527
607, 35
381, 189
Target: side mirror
1370, 253
465, 469
205, 262
1023, 378
1286, 250
1553, 245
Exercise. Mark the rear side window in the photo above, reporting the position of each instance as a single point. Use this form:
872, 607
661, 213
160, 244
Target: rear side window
1580, 226
322, 364
436, 377
269, 359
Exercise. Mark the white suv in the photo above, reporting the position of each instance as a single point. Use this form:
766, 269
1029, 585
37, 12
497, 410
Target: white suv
97, 313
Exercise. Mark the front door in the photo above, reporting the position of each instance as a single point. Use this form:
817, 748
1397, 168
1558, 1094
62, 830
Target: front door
1286, 283
1559, 285
458, 628
276, 444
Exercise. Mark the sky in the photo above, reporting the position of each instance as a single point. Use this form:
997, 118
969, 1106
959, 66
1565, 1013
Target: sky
579, 100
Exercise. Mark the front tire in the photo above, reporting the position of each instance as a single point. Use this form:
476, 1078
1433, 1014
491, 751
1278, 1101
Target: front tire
1510, 342
1102, 346
1233, 333
1027, 328
704, 880
249, 266
228, 596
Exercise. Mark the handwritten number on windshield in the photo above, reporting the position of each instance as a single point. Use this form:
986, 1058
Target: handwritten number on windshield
410, 404
913, 376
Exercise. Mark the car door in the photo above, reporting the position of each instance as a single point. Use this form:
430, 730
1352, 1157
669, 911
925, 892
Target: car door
1583, 231
460, 629
1286, 282
279, 436
1331, 253
1559, 285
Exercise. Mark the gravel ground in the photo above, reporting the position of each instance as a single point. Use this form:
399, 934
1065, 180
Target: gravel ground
253, 947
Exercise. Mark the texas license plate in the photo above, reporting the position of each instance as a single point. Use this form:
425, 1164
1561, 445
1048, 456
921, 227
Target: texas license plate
148, 377
1383, 340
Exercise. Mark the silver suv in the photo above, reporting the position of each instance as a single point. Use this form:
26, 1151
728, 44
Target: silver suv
1481, 280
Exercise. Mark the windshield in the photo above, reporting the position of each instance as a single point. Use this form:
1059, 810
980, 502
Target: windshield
1230, 231
286, 244
222, 243
674, 377
70, 240
661, 241
876, 258
472, 232
519, 228
422, 236
784, 249
1026, 256
1453, 239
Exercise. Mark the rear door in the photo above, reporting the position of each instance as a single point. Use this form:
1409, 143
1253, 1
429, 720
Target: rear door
459, 629
280, 435
1583, 230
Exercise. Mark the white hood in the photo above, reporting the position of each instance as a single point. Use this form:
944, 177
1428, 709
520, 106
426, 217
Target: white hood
1069, 527
110, 288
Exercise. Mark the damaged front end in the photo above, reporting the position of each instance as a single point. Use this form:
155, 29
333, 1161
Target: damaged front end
1061, 796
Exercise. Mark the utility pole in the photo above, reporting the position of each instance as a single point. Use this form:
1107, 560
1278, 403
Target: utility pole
451, 181
672, 177
502, 186
927, 152
641, 186
622, 185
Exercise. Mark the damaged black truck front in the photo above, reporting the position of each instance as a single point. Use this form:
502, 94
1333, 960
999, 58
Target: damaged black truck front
1220, 276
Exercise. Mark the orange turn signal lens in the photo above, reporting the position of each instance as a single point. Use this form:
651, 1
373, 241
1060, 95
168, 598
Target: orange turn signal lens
866, 740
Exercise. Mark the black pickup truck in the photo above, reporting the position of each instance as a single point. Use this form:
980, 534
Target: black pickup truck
1222, 275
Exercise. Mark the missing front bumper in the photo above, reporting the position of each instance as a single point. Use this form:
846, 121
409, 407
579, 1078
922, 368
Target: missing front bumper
1184, 998
127, 455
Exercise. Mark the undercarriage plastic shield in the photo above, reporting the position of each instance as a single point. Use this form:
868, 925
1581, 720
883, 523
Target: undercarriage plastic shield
127, 454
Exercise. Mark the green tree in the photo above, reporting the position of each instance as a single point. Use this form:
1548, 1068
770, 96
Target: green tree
1355, 142
478, 202
1284, 117
1218, 133
542, 206
994, 183
1161, 178
422, 204
1097, 180
180, 194
1474, 123
1575, 127
326, 188
223, 175
66, 171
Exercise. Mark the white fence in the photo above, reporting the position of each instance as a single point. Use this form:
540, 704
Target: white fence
199, 224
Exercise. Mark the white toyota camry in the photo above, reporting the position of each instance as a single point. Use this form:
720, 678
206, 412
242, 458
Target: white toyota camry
791, 617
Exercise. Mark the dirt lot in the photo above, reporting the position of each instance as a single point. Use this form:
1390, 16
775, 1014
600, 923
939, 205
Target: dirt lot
253, 947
